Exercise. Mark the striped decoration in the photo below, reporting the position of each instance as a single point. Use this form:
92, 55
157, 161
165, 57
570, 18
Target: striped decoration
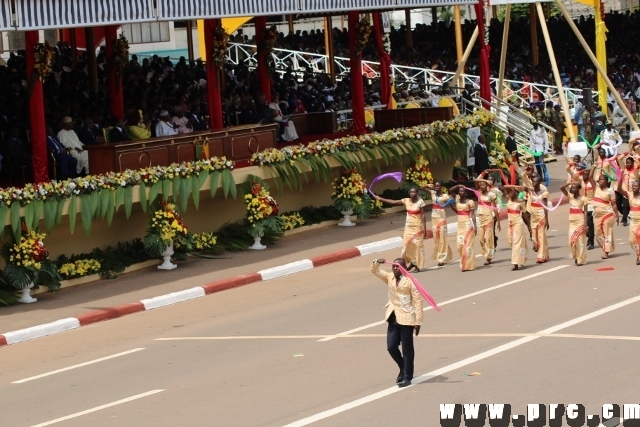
49, 14
41, 14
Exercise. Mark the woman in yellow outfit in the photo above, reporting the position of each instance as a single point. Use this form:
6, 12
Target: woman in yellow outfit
577, 221
486, 206
604, 212
467, 228
517, 227
414, 229
536, 206
441, 250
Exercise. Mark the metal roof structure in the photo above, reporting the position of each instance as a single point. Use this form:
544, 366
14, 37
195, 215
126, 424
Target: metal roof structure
24, 15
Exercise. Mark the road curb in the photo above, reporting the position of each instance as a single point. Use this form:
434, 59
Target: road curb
91, 317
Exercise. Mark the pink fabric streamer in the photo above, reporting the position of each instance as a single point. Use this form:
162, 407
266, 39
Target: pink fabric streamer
395, 175
614, 163
545, 206
425, 295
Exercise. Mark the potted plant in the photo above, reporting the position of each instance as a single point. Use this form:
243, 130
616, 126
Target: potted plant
165, 229
28, 264
262, 210
350, 196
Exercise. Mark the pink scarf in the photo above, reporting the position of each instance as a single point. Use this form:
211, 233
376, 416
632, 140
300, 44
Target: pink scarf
425, 295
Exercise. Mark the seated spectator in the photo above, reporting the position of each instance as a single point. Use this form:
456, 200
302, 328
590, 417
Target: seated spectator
90, 133
117, 133
19, 153
197, 120
299, 108
287, 127
180, 122
66, 161
164, 128
263, 110
68, 137
138, 129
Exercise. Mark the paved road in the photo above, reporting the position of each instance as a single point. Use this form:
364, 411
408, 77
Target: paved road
309, 349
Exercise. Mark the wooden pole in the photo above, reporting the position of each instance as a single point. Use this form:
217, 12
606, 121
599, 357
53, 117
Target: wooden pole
407, 18
434, 15
92, 66
290, 22
466, 54
556, 73
190, 39
593, 58
459, 42
533, 30
328, 43
503, 52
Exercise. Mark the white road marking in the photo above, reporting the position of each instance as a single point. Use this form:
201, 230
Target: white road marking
496, 335
80, 365
440, 304
284, 270
98, 408
481, 356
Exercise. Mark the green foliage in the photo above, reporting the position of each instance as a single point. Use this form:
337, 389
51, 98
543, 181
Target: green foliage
316, 215
113, 261
521, 11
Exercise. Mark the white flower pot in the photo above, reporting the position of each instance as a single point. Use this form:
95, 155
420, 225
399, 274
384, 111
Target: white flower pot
166, 256
257, 246
346, 222
26, 297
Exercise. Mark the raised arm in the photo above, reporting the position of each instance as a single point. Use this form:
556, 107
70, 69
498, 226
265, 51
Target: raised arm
563, 188
622, 190
388, 201
453, 191
591, 180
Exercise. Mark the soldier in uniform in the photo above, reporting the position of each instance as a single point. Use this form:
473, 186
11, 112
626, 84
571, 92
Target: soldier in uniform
586, 122
558, 124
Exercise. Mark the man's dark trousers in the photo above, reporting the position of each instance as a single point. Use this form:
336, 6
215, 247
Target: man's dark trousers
401, 334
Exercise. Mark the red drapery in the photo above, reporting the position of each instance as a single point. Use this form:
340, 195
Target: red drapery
116, 99
213, 84
385, 59
485, 75
36, 114
357, 85
264, 82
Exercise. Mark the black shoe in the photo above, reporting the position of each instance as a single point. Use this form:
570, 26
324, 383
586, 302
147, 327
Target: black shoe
589, 247
404, 383
399, 378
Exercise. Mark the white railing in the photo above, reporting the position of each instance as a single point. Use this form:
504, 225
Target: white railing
519, 93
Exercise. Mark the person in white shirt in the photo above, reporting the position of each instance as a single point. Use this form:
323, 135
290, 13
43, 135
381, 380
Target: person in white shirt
610, 139
164, 128
70, 140
539, 144
180, 122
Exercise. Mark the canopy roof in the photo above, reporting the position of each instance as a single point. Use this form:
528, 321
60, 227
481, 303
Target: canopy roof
49, 14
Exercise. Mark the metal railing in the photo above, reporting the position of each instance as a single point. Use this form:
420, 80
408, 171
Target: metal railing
515, 92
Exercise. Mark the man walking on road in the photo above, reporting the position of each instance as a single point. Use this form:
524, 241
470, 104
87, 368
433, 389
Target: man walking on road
403, 315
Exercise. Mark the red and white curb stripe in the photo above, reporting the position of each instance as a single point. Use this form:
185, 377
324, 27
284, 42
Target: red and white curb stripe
84, 319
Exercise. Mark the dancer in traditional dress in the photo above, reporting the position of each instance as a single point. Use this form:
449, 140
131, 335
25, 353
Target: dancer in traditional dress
486, 215
537, 203
467, 228
577, 222
573, 168
441, 249
605, 210
414, 229
629, 173
603, 166
517, 227
634, 215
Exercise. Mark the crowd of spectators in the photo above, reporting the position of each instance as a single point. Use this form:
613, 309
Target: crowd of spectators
163, 97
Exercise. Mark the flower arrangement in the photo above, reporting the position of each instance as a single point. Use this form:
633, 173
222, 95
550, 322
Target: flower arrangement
219, 50
79, 268
166, 228
204, 241
418, 173
498, 154
363, 30
350, 194
294, 220
262, 209
120, 55
27, 261
269, 39
43, 58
